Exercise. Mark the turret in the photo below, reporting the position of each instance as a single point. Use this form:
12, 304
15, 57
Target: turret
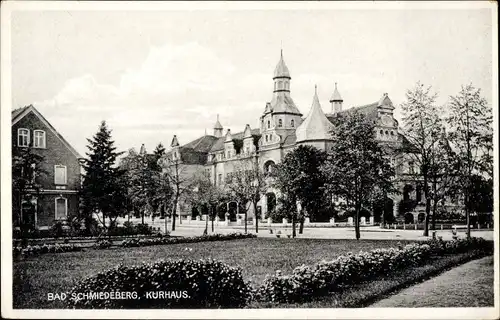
218, 128
336, 100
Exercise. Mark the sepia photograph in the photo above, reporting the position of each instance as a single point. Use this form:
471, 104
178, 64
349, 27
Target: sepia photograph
249, 160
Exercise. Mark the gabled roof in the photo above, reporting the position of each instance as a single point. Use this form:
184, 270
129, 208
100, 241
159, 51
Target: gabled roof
20, 113
219, 143
316, 125
202, 144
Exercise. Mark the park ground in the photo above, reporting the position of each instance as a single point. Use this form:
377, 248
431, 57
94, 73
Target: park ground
35, 277
468, 285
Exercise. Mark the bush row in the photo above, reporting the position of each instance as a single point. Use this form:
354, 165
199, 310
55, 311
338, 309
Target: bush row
183, 283
306, 282
168, 240
45, 248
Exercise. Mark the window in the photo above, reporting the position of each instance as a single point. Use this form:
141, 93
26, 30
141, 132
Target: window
61, 208
220, 178
280, 123
23, 137
386, 132
381, 132
411, 168
392, 133
39, 138
60, 174
292, 123
268, 124
266, 137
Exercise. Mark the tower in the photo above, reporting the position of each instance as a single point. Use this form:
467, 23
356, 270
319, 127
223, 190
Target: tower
336, 100
218, 128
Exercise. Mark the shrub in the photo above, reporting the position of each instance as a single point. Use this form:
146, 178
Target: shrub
57, 230
192, 284
45, 248
102, 244
306, 282
135, 242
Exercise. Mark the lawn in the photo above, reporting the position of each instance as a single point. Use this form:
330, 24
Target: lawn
35, 277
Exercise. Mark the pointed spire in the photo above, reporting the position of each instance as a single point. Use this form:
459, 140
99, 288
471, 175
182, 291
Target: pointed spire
143, 150
281, 70
336, 95
175, 142
217, 123
316, 125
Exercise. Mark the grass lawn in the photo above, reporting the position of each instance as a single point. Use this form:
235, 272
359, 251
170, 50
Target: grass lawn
35, 277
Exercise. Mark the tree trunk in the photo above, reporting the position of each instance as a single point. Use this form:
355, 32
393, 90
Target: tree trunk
213, 218
356, 221
206, 224
174, 212
434, 209
246, 216
142, 216
301, 224
427, 205
467, 214
293, 225
256, 216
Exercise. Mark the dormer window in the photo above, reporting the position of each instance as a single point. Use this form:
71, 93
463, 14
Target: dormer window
39, 139
23, 137
268, 124
280, 123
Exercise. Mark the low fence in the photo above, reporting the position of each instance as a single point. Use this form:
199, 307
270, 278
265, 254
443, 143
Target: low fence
439, 226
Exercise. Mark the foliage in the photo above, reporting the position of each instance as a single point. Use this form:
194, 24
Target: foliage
357, 164
166, 240
246, 185
104, 187
57, 229
300, 179
102, 244
471, 136
27, 172
45, 248
481, 195
307, 282
206, 283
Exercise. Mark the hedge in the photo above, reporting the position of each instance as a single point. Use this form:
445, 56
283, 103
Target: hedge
186, 283
307, 282
45, 248
167, 240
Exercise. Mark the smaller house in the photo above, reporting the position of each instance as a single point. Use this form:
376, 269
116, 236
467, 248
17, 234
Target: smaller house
58, 198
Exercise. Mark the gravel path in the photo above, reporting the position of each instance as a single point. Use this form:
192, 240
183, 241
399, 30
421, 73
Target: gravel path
468, 285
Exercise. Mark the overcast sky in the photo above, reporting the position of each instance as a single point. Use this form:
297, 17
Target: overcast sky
151, 75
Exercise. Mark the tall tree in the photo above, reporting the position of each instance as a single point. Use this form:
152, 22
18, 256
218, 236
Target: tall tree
247, 185
104, 187
471, 131
300, 178
357, 164
26, 174
422, 127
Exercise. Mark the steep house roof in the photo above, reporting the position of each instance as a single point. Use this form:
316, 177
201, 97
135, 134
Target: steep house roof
283, 102
336, 95
316, 125
281, 70
219, 144
20, 113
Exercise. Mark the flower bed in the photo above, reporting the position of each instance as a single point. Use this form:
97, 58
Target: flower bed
168, 240
188, 283
307, 282
45, 248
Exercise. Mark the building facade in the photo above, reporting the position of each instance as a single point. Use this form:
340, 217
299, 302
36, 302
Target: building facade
60, 181
280, 128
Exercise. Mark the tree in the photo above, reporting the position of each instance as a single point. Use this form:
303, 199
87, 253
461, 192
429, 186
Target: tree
471, 135
246, 186
357, 164
104, 187
178, 177
300, 178
26, 174
202, 192
422, 128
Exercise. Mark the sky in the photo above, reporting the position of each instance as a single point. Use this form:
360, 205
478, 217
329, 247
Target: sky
153, 74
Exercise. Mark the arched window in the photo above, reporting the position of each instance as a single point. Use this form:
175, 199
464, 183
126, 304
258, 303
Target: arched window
381, 131
292, 123
280, 123
392, 133
266, 137
386, 132
61, 205
268, 124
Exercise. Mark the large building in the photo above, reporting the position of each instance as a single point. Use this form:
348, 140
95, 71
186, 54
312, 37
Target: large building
280, 128
60, 181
